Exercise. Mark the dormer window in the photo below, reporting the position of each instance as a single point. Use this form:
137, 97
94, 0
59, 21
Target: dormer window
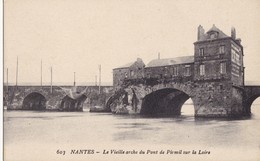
213, 35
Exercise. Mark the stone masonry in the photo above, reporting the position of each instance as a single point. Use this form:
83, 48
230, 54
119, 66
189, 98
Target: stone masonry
213, 78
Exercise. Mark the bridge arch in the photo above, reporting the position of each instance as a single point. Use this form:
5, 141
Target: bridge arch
113, 100
34, 101
72, 104
250, 101
153, 100
251, 94
164, 101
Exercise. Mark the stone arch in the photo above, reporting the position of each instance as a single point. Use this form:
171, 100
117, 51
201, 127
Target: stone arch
34, 101
34, 90
164, 101
72, 104
141, 91
249, 102
113, 100
251, 93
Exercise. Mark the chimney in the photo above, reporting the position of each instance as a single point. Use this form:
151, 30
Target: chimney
233, 33
201, 32
159, 56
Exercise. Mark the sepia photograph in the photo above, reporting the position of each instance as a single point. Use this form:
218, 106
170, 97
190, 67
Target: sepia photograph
127, 80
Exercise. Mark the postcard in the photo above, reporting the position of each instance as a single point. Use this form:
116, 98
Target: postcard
131, 80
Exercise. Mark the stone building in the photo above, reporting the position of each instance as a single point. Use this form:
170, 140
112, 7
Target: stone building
170, 68
213, 77
216, 57
219, 69
131, 70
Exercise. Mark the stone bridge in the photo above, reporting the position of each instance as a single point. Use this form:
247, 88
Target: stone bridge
45, 97
210, 99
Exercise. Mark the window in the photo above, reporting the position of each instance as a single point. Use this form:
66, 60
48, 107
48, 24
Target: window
187, 70
223, 68
201, 52
126, 75
235, 57
213, 35
175, 70
165, 70
131, 73
222, 49
202, 69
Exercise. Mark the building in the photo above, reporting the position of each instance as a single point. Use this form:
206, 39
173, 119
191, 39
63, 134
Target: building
213, 77
216, 57
131, 70
170, 68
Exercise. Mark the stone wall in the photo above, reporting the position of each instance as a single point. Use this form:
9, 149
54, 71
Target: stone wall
213, 99
167, 72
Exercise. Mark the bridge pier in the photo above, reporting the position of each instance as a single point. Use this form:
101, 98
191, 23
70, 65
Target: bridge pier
215, 99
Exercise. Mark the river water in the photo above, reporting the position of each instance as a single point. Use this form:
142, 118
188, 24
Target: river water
31, 135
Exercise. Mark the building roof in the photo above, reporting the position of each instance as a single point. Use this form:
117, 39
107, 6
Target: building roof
206, 36
126, 65
171, 61
138, 62
215, 29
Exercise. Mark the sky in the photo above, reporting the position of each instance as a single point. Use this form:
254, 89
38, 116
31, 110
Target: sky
78, 35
